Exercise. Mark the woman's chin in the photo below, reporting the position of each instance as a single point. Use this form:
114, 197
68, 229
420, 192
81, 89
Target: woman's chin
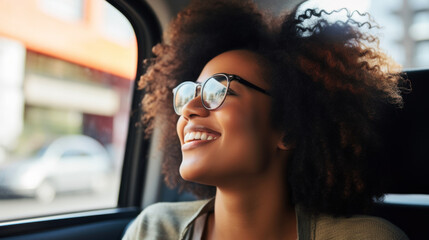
190, 173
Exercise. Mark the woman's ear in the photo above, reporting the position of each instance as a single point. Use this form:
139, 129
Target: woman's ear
284, 144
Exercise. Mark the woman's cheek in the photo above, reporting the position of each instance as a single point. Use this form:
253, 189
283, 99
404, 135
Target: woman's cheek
241, 142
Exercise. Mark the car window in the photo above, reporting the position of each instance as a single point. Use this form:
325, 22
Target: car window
74, 153
67, 70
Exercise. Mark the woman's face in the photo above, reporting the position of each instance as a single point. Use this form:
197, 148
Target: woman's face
242, 141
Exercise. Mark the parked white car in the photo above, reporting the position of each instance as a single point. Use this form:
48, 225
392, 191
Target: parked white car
70, 163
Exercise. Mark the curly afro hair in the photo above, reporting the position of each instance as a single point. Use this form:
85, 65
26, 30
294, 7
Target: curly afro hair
331, 87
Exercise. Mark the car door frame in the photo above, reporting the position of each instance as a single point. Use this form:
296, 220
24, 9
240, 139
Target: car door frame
106, 223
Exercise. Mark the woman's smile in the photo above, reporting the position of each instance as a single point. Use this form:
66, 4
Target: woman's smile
195, 136
196, 143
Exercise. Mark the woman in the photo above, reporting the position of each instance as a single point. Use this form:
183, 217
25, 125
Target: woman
278, 126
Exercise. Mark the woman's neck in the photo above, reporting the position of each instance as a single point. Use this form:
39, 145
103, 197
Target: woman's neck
261, 211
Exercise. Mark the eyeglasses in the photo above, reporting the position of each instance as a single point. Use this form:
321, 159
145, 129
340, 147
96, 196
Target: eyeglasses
213, 91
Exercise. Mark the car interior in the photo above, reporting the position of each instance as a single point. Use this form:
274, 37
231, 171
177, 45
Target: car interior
141, 182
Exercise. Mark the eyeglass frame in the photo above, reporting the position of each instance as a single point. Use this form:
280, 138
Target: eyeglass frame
229, 79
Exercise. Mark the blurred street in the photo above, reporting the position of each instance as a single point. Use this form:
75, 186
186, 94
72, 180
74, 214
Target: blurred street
16, 208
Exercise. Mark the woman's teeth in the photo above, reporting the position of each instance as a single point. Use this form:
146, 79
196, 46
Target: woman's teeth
198, 136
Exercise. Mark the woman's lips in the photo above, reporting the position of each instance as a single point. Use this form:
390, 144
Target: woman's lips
198, 136
194, 144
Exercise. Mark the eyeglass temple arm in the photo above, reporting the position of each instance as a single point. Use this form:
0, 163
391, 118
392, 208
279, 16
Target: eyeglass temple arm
249, 84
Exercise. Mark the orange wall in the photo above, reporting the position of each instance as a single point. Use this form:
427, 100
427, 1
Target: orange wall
80, 42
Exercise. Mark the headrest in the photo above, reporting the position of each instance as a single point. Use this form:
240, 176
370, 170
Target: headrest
408, 139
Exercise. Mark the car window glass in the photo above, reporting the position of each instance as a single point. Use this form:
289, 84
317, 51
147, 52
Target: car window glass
75, 153
66, 76
404, 26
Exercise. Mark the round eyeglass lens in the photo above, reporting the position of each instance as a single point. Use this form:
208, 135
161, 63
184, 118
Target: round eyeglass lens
214, 91
184, 94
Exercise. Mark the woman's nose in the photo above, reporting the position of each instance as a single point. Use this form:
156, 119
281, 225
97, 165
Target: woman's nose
195, 108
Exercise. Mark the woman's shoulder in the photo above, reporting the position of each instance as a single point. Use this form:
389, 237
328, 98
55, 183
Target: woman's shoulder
176, 210
357, 227
165, 220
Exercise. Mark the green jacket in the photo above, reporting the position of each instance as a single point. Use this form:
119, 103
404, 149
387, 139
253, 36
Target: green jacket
176, 221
